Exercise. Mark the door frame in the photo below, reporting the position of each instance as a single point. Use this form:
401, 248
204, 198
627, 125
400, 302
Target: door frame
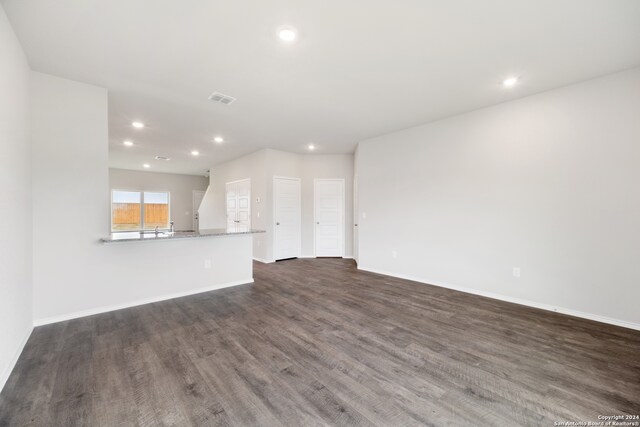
344, 208
226, 208
356, 217
273, 223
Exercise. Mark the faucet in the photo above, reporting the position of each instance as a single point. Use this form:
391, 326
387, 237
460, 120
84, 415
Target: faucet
157, 230
171, 230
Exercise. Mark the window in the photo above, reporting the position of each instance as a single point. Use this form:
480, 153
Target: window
139, 210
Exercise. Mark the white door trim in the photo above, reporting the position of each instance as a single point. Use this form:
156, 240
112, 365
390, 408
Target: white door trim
344, 206
274, 219
356, 219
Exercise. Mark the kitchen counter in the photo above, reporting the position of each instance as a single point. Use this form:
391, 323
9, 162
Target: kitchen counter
135, 236
189, 262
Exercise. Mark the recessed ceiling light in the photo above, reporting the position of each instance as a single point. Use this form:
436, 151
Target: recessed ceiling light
287, 34
195, 153
128, 143
508, 82
137, 125
312, 147
218, 139
146, 165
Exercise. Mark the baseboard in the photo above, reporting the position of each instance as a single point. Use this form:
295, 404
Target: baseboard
548, 307
313, 256
98, 310
12, 364
264, 261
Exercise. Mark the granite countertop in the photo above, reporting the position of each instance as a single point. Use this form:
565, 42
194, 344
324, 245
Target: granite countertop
135, 236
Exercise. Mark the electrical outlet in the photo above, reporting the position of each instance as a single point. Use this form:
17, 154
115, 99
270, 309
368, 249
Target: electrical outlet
394, 254
207, 263
516, 271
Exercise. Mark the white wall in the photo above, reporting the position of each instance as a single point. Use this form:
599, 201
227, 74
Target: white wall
261, 167
180, 186
73, 273
15, 200
213, 208
70, 191
547, 183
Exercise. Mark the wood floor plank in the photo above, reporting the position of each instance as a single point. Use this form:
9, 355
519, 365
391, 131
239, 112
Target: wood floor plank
152, 392
240, 402
318, 342
71, 398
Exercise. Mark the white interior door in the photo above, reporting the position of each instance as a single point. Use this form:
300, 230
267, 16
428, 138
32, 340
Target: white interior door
244, 204
356, 216
232, 204
238, 196
287, 215
197, 200
329, 217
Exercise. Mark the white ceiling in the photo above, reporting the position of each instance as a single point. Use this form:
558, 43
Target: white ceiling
359, 68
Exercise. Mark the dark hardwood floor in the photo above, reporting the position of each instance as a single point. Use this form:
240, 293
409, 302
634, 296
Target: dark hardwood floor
317, 342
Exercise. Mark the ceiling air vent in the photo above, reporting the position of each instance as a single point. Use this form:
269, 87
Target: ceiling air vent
221, 98
162, 158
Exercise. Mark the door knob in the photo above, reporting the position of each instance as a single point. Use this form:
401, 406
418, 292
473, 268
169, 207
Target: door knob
277, 223
318, 223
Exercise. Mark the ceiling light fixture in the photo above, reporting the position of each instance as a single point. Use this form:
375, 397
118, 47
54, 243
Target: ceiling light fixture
218, 139
146, 165
195, 153
137, 125
312, 147
509, 82
128, 143
287, 34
